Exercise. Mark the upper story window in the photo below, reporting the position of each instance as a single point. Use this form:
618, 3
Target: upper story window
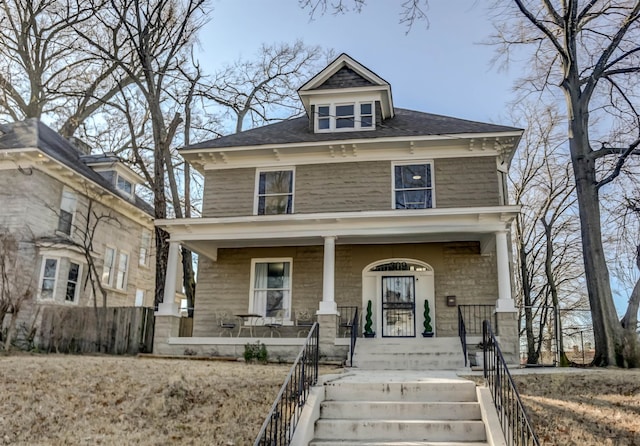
145, 248
124, 185
344, 117
67, 211
274, 192
413, 186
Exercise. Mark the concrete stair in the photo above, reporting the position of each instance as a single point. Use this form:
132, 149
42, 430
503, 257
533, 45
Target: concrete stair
399, 409
408, 354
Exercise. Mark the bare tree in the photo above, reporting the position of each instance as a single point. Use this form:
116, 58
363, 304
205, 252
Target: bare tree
152, 37
411, 11
263, 88
590, 51
45, 68
545, 236
16, 288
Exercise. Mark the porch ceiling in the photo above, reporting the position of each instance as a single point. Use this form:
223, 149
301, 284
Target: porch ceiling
207, 235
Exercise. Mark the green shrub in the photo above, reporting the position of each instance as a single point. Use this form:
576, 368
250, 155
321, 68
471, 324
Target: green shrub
256, 352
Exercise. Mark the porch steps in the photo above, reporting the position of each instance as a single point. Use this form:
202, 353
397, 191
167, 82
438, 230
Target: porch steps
399, 409
408, 354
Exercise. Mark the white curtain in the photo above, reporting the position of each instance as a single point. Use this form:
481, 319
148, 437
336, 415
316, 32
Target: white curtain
260, 288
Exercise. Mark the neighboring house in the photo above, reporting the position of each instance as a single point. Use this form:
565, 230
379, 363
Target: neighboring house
357, 201
53, 195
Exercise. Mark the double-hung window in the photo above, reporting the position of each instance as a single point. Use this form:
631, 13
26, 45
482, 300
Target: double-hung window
114, 269
67, 210
48, 280
145, 248
73, 282
271, 287
413, 186
342, 117
274, 192
124, 185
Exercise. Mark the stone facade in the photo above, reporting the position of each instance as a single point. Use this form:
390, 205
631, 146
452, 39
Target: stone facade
353, 186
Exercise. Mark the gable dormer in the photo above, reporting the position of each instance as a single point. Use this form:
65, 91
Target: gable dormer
110, 167
346, 96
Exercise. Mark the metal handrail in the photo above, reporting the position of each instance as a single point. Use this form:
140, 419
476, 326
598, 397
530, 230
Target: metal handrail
281, 422
462, 333
475, 314
354, 336
515, 423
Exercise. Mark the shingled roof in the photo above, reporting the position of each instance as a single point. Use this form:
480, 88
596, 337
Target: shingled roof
405, 123
32, 133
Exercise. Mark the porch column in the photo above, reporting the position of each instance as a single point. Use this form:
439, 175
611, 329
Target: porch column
169, 307
328, 304
505, 300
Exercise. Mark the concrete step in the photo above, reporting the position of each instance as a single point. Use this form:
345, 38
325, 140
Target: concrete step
409, 361
391, 345
432, 390
395, 430
395, 443
399, 410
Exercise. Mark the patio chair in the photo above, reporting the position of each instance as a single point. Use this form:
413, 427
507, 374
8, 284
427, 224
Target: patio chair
275, 323
225, 323
304, 322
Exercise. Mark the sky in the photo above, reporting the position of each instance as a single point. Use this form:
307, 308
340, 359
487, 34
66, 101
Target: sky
443, 68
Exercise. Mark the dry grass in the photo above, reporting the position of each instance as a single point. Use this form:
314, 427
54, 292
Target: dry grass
595, 407
87, 400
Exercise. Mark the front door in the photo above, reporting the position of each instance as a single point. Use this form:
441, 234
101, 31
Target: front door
398, 306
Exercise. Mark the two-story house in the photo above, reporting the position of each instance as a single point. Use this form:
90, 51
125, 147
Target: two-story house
60, 203
357, 201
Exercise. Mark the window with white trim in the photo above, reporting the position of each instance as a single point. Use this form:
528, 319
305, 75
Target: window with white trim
73, 282
48, 275
271, 287
121, 273
67, 211
108, 266
413, 186
139, 298
274, 192
345, 117
124, 185
145, 248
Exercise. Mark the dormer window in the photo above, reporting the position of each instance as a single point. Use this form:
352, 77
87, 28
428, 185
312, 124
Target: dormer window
124, 185
345, 117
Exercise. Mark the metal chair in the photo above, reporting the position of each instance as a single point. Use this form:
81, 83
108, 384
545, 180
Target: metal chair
275, 322
225, 323
304, 322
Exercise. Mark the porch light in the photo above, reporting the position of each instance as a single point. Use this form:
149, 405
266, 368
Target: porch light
417, 177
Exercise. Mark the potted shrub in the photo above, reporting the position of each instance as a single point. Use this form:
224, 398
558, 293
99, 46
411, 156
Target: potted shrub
428, 330
368, 333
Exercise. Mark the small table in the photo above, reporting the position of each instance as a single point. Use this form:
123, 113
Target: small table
246, 317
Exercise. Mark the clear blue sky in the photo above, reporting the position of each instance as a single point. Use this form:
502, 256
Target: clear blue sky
441, 69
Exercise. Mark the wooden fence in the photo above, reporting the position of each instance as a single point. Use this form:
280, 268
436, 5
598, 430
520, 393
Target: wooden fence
125, 330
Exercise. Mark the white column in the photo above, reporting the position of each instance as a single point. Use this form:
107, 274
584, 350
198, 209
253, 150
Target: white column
169, 305
328, 304
505, 300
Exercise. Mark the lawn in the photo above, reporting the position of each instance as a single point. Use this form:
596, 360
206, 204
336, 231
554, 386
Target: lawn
87, 400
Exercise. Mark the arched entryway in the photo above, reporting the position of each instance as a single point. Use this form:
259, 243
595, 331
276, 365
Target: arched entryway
397, 289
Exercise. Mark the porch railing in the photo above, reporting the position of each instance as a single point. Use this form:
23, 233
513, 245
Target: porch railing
355, 323
474, 315
517, 428
462, 333
283, 418
344, 328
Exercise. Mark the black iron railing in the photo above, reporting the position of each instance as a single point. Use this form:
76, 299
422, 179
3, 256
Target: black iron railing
514, 421
355, 323
283, 418
474, 315
344, 329
462, 333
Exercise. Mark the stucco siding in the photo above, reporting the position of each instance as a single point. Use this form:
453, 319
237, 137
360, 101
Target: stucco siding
464, 182
459, 270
